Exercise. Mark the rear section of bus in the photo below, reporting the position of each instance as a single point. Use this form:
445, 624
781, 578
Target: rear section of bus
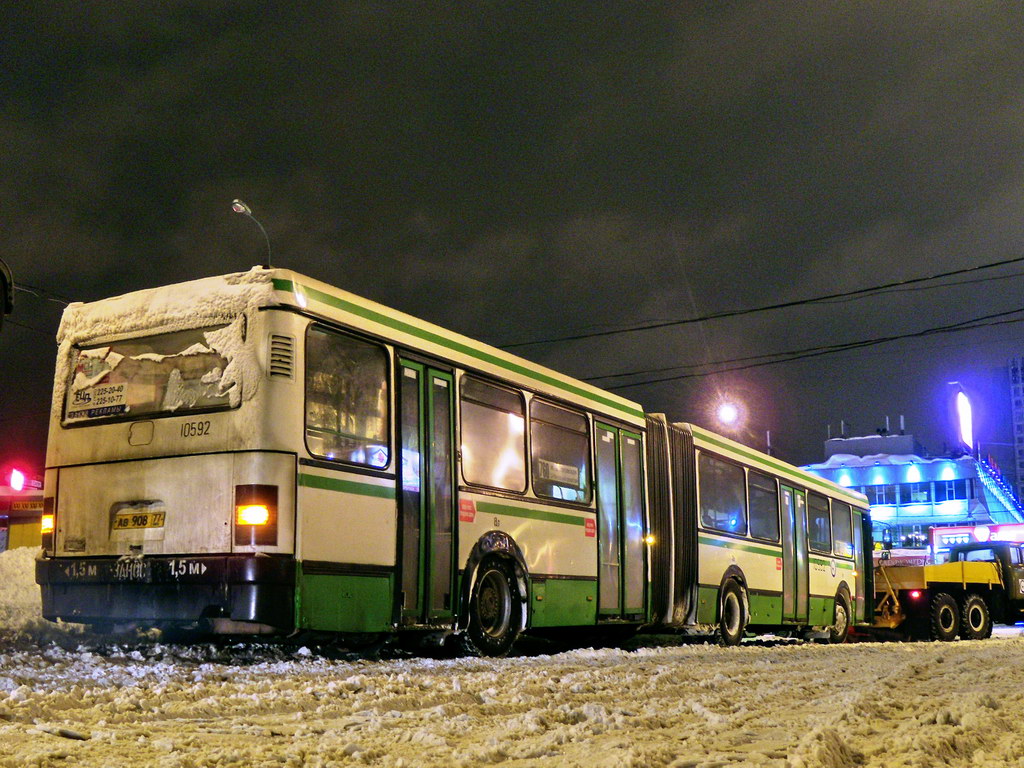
165, 502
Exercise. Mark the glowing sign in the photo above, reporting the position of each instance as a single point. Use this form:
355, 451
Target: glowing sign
963, 412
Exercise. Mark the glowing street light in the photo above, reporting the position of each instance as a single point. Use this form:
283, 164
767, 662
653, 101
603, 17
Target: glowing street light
728, 413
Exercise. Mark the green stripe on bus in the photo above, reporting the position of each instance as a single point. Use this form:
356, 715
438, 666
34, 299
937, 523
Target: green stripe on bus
793, 472
828, 563
347, 486
289, 286
489, 508
740, 545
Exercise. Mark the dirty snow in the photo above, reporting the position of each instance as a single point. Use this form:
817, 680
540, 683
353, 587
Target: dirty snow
796, 705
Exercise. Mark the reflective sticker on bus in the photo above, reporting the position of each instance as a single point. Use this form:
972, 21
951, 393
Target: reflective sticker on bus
467, 511
590, 528
778, 563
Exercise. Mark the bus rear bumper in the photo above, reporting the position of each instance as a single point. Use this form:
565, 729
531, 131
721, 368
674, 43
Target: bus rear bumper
156, 590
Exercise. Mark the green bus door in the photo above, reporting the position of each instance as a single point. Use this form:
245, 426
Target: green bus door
425, 497
794, 556
620, 524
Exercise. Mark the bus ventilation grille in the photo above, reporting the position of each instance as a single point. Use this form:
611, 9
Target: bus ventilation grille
282, 357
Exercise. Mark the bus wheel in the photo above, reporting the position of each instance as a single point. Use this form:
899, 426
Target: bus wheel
731, 615
495, 611
975, 621
945, 618
840, 628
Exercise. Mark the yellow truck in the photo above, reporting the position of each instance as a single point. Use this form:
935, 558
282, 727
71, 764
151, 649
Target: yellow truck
981, 583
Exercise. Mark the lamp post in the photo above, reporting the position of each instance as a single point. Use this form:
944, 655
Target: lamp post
239, 206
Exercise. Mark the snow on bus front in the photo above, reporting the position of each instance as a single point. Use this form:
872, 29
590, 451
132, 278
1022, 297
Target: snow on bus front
177, 372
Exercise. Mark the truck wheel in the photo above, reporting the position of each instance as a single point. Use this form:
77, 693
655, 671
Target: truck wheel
945, 618
732, 619
975, 621
840, 628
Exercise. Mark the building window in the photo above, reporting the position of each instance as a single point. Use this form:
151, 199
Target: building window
881, 494
764, 506
493, 436
723, 498
560, 447
950, 490
819, 525
915, 493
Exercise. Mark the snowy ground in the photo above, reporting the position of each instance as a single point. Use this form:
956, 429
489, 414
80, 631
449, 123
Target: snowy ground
869, 704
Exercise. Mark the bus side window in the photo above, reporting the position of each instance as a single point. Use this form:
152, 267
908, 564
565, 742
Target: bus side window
723, 498
560, 447
493, 436
764, 506
842, 531
819, 525
346, 399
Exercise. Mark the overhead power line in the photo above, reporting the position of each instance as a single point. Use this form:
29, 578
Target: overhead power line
757, 361
42, 293
859, 293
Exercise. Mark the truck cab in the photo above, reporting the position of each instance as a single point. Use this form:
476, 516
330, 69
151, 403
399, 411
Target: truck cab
1008, 605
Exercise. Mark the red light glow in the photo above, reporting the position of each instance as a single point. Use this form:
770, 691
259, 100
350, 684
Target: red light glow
17, 480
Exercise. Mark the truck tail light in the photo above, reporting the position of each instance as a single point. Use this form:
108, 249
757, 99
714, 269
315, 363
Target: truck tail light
47, 525
256, 515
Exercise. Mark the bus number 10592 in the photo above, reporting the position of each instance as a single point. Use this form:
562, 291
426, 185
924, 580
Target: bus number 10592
195, 428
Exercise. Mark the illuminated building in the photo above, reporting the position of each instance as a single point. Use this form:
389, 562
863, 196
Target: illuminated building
1016, 369
910, 494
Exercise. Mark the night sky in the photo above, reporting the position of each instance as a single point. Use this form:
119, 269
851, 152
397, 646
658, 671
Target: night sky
526, 171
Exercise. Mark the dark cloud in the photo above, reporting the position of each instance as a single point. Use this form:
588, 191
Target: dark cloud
545, 168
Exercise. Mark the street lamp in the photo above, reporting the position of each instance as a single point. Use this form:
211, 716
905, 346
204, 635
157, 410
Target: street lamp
728, 413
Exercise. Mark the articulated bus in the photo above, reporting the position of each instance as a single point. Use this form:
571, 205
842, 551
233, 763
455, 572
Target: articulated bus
264, 453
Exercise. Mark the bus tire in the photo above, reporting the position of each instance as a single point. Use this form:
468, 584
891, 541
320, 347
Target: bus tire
732, 618
495, 610
839, 630
975, 620
944, 617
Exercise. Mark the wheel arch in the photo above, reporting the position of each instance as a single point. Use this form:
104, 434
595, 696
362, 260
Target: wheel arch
498, 544
734, 573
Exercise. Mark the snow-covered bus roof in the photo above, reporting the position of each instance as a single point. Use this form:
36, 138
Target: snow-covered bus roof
213, 300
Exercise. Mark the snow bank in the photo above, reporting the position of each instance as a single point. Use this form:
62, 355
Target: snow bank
20, 606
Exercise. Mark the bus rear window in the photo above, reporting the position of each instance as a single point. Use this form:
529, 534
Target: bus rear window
177, 372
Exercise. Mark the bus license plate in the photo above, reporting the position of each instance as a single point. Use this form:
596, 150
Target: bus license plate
130, 520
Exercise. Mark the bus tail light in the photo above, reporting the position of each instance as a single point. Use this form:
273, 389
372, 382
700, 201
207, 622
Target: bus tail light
47, 525
256, 515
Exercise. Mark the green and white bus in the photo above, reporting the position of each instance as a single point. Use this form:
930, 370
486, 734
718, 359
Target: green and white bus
264, 453
752, 543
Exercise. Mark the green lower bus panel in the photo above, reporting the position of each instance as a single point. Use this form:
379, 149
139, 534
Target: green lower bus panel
766, 609
821, 609
563, 603
343, 603
707, 605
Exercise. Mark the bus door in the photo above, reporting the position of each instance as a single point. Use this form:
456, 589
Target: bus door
620, 523
425, 499
794, 555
